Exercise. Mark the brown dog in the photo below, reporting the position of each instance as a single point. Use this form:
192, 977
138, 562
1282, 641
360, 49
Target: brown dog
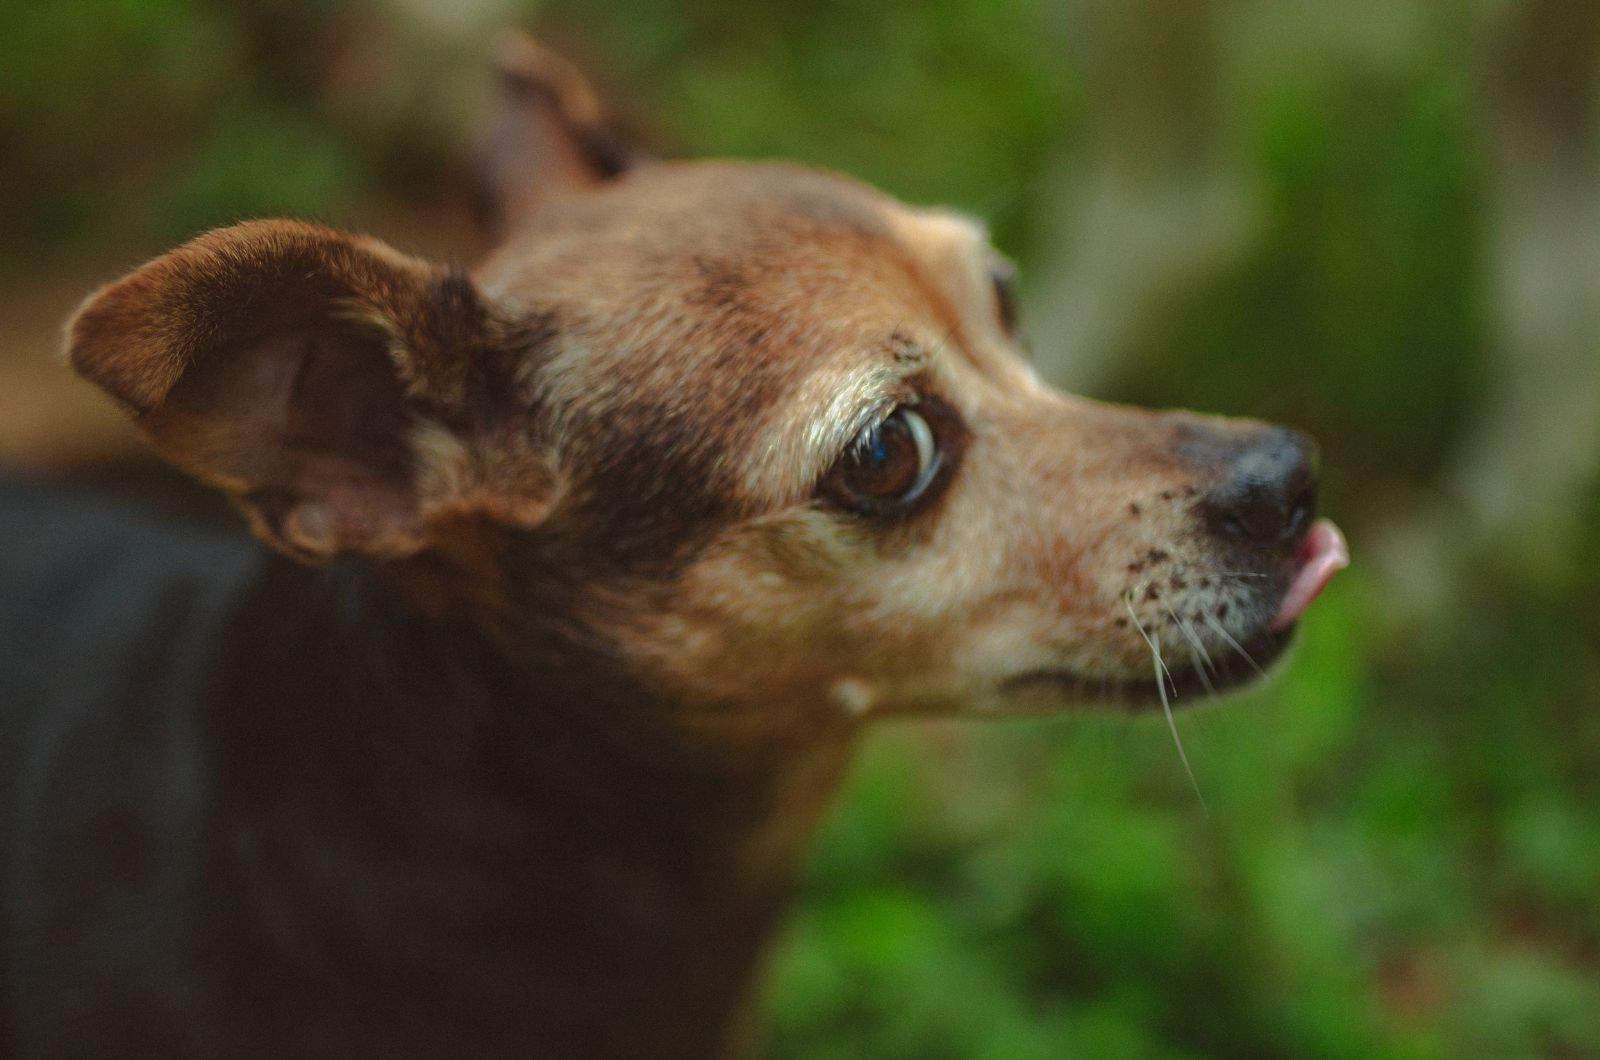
707, 464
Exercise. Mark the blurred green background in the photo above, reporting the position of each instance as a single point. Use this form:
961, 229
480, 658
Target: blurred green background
1374, 220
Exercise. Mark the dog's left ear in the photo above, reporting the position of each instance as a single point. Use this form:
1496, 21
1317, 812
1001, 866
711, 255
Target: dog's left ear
548, 134
339, 390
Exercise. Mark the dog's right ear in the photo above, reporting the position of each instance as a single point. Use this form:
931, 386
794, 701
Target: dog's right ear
343, 393
548, 134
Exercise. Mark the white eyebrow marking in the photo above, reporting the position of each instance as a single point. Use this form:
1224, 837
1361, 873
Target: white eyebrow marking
832, 409
829, 412
854, 405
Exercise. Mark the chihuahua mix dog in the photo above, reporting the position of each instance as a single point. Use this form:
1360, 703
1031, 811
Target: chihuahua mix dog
587, 566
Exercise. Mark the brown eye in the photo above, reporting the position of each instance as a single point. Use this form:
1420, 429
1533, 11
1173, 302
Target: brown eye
889, 466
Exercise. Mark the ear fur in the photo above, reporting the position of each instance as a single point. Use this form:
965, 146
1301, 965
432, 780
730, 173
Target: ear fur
548, 133
296, 367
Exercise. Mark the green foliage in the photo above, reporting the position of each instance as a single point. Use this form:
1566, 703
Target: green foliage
145, 121
1398, 860
956, 102
1400, 857
1357, 312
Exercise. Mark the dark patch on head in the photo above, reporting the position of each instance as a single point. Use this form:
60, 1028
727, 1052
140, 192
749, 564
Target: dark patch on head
523, 345
1166, 495
658, 462
1136, 566
658, 473
474, 355
723, 283
652, 482
1134, 510
1152, 593
1156, 555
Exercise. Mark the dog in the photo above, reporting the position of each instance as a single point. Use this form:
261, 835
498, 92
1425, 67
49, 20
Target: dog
586, 568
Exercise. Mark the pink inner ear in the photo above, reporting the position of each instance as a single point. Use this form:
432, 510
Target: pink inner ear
548, 133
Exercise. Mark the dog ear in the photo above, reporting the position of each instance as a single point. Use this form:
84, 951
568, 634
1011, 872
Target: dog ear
325, 380
547, 134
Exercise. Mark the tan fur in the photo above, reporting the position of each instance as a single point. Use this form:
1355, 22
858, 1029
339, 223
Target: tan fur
1027, 563
617, 448
742, 324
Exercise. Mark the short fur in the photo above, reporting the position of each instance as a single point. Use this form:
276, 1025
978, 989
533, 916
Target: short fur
512, 742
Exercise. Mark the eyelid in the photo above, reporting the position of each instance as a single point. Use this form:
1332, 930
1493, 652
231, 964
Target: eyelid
922, 435
930, 460
929, 456
878, 414
950, 440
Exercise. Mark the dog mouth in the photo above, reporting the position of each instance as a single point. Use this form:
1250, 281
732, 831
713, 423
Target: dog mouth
1183, 683
1321, 554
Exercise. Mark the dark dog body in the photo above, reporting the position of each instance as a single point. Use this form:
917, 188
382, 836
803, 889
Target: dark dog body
250, 804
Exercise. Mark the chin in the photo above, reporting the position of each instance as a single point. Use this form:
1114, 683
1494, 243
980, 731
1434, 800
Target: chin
1187, 683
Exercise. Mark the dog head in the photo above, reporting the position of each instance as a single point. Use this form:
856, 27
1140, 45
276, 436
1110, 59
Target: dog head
761, 436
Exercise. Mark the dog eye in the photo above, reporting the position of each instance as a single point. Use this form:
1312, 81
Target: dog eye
1005, 295
889, 466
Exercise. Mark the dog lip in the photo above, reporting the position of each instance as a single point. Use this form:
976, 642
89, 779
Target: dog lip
1323, 553
1227, 672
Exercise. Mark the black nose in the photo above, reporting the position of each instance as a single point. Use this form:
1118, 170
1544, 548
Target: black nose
1268, 492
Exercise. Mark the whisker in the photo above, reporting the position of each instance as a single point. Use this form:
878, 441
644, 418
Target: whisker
1201, 664
1161, 672
1194, 641
1161, 664
1217, 627
1172, 725
1202, 673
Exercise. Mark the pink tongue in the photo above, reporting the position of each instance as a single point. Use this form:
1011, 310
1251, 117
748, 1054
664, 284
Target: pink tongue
1323, 553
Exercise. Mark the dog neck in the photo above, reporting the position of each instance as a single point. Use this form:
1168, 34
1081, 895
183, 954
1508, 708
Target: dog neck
546, 819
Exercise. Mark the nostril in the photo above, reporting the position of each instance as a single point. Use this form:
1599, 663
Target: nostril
1257, 515
1268, 494
1300, 514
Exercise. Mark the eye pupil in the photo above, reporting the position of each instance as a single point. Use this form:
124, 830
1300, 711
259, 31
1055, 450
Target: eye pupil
891, 466
888, 464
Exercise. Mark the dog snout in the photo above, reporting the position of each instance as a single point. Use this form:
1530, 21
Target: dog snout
1267, 492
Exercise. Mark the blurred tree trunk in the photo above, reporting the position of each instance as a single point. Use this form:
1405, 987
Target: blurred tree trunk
1153, 194
1540, 441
